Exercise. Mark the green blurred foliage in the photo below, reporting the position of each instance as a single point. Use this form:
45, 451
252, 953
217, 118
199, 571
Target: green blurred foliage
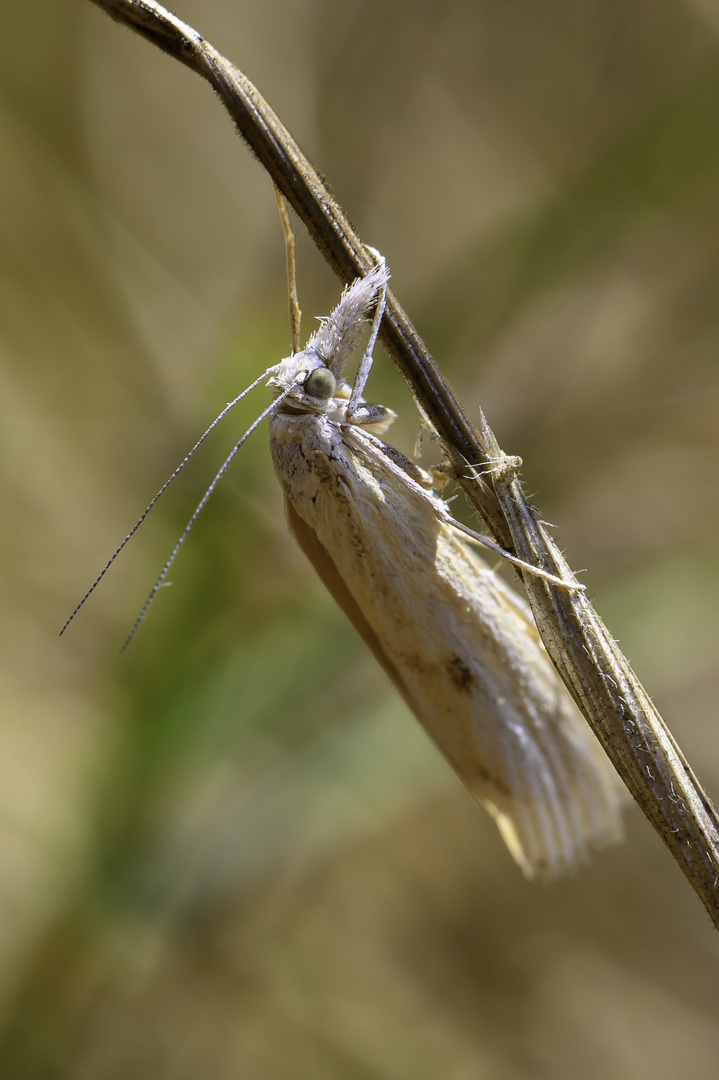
232, 853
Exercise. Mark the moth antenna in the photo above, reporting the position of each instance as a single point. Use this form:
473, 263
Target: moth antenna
292, 294
161, 492
199, 508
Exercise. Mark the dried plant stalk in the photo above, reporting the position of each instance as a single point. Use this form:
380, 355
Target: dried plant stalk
597, 674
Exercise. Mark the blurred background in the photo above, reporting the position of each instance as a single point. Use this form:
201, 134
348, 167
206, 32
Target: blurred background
233, 853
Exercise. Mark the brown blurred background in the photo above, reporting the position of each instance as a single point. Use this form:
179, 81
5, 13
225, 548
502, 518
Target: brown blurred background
233, 853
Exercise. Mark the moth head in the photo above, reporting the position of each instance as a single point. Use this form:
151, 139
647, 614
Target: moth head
308, 381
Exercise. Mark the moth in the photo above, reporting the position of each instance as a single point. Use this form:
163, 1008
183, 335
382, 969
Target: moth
458, 643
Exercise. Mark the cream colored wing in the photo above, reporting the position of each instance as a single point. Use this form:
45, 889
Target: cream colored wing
457, 642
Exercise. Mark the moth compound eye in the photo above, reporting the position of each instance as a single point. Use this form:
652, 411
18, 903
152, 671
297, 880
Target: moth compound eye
321, 383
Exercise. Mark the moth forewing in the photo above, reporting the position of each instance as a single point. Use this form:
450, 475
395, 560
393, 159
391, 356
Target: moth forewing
458, 644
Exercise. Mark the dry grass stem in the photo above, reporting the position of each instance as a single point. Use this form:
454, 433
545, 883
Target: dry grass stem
597, 674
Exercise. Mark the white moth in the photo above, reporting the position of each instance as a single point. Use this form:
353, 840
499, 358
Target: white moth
459, 644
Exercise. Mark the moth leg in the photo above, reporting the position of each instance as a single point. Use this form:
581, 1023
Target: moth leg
536, 571
373, 418
415, 472
391, 461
